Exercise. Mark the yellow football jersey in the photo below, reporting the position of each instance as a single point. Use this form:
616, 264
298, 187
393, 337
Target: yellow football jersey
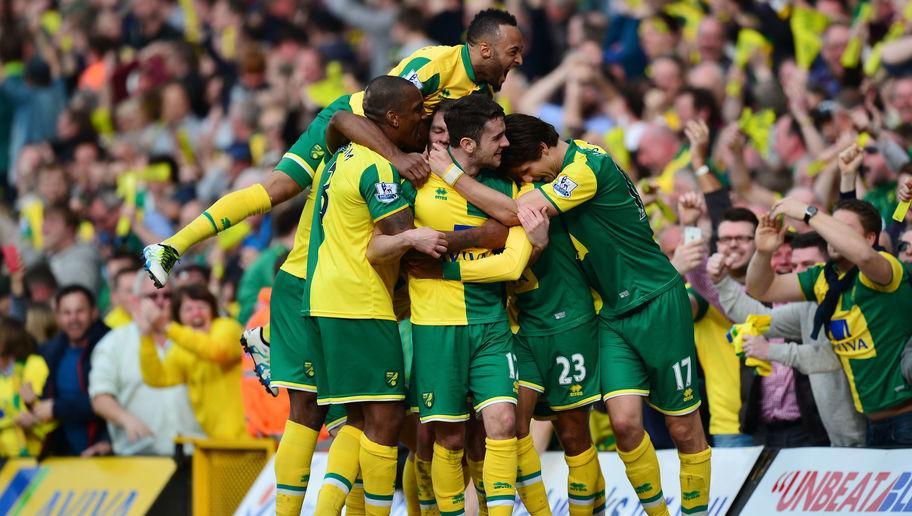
473, 291
440, 72
357, 189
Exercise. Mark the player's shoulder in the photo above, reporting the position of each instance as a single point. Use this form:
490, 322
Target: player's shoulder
432, 53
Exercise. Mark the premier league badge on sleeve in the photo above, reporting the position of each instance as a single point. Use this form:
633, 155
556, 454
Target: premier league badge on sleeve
386, 192
564, 186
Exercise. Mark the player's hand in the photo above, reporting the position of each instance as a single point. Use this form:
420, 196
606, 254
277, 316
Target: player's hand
428, 241
790, 207
439, 159
135, 428
691, 206
536, 224
688, 256
756, 346
698, 134
423, 268
904, 188
412, 166
770, 234
850, 159
717, 266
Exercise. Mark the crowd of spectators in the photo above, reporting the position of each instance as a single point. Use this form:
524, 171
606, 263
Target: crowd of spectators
121, 120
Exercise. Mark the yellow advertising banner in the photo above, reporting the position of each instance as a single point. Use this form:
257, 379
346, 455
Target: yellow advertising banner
107, 485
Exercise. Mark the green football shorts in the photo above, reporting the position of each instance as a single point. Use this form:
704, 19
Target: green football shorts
358, 360
454, 362
563, 368
651, 352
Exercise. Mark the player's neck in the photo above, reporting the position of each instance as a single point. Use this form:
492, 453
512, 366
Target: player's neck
464, 161
560, 155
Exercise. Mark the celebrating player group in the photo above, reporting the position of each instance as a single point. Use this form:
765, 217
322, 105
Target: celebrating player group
426, 202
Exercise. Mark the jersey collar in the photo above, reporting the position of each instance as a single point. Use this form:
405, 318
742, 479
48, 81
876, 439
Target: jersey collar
467, 63
455, 161
571, 152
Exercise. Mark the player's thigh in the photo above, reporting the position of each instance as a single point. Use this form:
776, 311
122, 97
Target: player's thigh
668, 351
493, 375
363, 360
621, 369
291, 350
526, 365
571, 361
440, 372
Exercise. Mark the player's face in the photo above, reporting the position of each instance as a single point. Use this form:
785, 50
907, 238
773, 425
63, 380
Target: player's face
493, 141
736, 239
412, 127
438, 132
506, 54
541, 169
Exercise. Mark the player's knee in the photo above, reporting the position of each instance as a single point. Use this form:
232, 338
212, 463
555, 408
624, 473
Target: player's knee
500, 421
686, 432
425, 441
627, 427
450, 435
304, 409
574, 438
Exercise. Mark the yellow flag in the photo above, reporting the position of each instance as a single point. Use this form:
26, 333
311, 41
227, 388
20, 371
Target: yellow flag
807, 28
851, 56
757, 127
191, 21
691, 13
614, 144
749, 42
324, 92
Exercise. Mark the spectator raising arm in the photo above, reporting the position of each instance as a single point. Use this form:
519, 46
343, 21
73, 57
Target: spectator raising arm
762, 283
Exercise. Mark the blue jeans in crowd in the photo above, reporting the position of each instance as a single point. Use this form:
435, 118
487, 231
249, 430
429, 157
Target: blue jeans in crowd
894, 432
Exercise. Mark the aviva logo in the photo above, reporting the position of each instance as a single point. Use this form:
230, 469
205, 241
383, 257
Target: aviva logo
846, 342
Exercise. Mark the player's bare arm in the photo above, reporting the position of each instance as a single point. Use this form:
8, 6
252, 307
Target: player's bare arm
396, 235
281, 187
344, 127
490, 201
490, 235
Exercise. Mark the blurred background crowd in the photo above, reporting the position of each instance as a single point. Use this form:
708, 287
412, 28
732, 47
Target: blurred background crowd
122, 120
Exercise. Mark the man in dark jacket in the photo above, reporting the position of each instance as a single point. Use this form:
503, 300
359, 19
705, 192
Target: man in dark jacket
66, 394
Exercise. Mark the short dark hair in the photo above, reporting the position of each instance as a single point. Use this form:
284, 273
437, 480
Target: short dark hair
487, 23
445, 105
525, 134
195, 292
74, 289
15, 341
808, 240
467, 117
867, 214
384, 93
39, 274
740, 215
70, 218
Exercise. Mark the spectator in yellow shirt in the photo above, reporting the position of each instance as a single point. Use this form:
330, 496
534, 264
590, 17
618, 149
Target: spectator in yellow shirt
22, 376
206, 357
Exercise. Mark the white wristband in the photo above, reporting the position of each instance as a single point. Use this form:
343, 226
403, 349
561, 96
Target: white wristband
702, 171
452, 174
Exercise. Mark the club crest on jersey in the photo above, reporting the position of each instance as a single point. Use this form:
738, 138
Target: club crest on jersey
386, 192
309, 369
412, 77
392, 378
317, 152
564, 186
428, 398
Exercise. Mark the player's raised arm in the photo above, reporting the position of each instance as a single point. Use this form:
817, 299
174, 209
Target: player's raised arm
762, 283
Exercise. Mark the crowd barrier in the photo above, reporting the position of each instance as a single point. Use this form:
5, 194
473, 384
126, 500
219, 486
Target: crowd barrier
238, 477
